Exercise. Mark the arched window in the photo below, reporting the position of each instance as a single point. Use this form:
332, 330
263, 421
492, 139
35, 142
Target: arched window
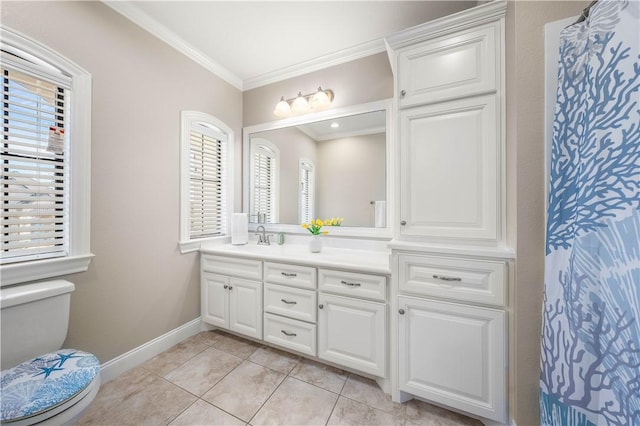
307, 191
206, 190
46, 162
265, 163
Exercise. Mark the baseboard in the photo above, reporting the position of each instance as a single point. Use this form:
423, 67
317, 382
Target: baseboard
125, 362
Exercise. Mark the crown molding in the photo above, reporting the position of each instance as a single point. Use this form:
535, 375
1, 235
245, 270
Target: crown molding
149, 24
144, 21
316, 64
459, 21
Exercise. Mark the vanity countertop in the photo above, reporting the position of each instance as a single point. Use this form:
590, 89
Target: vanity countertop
376, 262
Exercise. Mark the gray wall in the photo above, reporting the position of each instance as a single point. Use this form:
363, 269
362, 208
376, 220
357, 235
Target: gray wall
351, 174
138, 286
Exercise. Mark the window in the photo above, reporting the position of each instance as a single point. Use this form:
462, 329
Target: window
205, 184
307, 184
265, 158
45, 162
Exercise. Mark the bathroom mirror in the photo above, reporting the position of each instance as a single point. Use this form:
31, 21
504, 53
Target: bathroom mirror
332, 164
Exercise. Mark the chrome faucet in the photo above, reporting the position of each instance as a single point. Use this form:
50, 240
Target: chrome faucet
263, 238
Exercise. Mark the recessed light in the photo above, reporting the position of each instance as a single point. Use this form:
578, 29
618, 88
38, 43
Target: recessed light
335, 125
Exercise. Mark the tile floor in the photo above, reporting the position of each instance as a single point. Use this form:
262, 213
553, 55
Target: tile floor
214, 378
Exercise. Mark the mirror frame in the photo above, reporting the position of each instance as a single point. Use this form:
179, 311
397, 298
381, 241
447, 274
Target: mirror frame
337, 231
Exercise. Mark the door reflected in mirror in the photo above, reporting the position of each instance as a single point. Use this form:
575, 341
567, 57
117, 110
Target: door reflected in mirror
321, 169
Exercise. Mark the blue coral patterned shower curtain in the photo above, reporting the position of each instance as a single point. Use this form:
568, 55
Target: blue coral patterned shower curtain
590, 360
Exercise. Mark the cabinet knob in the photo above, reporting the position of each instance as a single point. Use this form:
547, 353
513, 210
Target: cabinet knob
321, 306
403, 222
226, 286
230, 287
403, 93
401, 311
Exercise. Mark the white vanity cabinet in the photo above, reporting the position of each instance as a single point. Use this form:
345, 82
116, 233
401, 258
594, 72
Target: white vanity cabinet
290, 306
352, 331
337, 315
232, 301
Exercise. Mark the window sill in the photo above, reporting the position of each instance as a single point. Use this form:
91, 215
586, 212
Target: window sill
194, 245
40, 269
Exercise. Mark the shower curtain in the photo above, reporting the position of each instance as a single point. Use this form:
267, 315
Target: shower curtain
590, 350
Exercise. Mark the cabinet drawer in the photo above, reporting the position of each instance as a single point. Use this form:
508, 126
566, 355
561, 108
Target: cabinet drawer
297, 335
480, 281
290, 302
233, 266
353, 284
449, 67
293, 275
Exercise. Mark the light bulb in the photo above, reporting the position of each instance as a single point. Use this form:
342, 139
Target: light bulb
282, 108
299, 104
320, 99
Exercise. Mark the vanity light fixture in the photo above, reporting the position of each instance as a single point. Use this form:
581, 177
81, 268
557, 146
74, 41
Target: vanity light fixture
304, 103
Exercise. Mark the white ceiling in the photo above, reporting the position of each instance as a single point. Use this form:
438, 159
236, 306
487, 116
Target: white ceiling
252, 43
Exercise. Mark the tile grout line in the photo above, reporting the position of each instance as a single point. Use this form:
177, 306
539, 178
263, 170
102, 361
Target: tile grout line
339, 393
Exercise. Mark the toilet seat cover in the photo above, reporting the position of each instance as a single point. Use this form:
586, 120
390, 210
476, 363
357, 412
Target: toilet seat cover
45, 382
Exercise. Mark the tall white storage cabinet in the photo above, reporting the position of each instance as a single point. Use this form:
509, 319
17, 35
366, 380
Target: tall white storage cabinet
449, 259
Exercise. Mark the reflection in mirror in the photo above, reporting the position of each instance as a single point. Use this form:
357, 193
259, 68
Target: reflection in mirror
264, 180
324, 169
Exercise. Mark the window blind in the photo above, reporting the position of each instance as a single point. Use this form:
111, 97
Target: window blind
206, 184
35, 216
306, 192
263, 184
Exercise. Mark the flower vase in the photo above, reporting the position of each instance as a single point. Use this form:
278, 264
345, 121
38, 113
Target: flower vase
315, 245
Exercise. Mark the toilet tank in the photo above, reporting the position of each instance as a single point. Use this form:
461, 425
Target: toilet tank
34, 320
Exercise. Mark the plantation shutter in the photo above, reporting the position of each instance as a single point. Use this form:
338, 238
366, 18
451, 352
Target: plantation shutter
306, 195
35, 189
263, 172
207, 187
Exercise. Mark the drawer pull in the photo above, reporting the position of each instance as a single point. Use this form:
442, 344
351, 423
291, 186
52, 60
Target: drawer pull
350, 284
226, 286
289, 302
401, 311
321, 306
291, 275
288, 334
445, 278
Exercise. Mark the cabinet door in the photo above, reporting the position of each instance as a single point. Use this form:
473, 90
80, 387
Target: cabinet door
245, 307
352, 332
450, 67
215, 303
454, 355
449, 175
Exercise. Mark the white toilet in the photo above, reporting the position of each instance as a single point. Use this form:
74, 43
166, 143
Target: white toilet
41, 383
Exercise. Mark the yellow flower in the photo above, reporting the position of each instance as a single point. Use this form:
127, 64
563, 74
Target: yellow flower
319, 222
325, 232
305, 226
327, 222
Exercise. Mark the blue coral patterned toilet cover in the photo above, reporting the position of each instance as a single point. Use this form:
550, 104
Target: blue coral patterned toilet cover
45, 382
